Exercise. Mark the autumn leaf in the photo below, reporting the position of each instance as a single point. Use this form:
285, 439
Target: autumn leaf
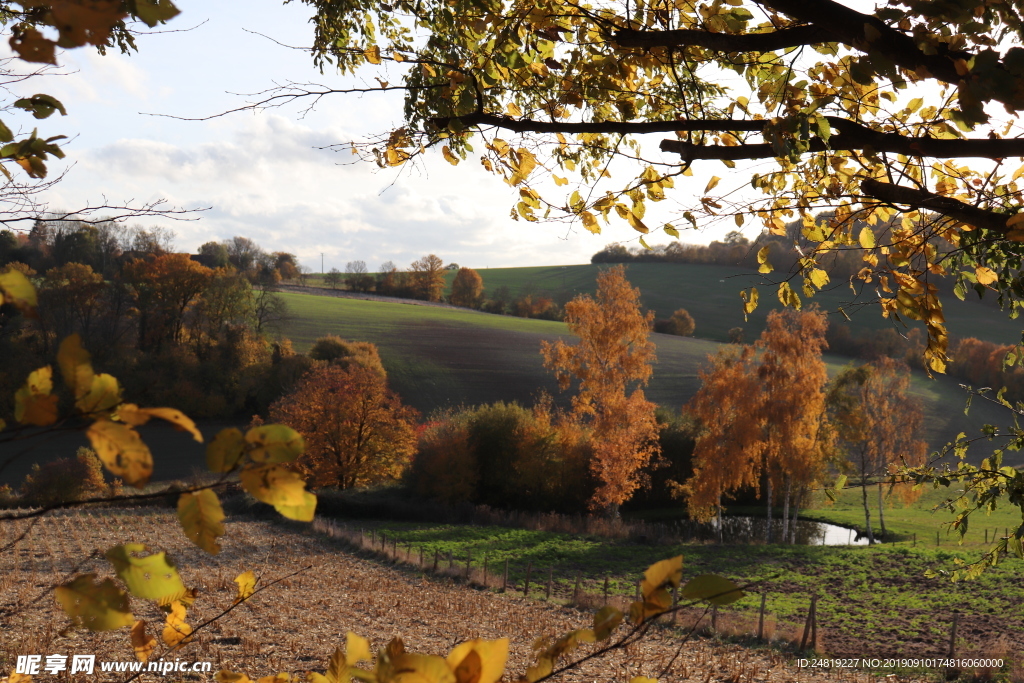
986, 276
33, 403
225, 452
225, 676
18, 291
150, 577
717, 590
278, 486
606, 620
75, 366
486, 665
97, 606
274, 444
176, 631
866, 238
142, 643
131, 414
661, 573
122, 451
202, 518
246, 586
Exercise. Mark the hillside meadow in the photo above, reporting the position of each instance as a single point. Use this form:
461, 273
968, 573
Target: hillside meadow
439, 357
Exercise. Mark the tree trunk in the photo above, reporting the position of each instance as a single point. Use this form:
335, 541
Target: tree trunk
864, 492
720, 537
768, 502
785, 507
881, 514
797, 501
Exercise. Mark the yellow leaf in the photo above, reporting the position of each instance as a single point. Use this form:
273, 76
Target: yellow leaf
274, 444
410, 668
1017, 218
527, 162
357, 649
103, 395
279, 678
658, 574
18, 291
749, 301
150, 577
225, 452
513, 109
337, 669
122, 451
762, 258
75, 366
712, 183
670, 230
986, 276
372, 54
590, 222
606, 620
225, 676
176, 631
717, 590
643, 679
559, 180
246, 586
202, 518
866, 238
492, 656
33, 403
818, 277
142, 643
446, 152
131, 414
542, 668
97, 606
278, 486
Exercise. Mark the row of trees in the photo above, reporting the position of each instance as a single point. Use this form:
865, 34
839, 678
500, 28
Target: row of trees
771, 422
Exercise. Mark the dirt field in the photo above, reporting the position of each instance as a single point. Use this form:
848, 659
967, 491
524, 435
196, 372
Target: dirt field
295, 625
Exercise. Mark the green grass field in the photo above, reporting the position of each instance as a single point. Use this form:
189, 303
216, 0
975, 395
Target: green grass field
711, 294
873, 601
443, 357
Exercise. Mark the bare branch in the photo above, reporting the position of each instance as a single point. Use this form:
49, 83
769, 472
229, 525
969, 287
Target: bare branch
947, 206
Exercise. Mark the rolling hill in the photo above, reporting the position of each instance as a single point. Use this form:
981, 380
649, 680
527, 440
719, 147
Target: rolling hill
444, 357
711, 294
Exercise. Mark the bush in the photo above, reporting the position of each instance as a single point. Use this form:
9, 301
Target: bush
505, 455
680, 324
337, 351
65, 480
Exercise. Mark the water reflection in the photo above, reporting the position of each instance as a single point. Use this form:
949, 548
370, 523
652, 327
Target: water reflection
737, 529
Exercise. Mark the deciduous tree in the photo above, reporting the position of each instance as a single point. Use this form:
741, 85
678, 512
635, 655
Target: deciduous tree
878, 425
610, 363
467, 288
427, 276
357, 431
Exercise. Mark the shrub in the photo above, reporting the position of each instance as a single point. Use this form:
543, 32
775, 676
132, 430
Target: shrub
64, 480
337, 351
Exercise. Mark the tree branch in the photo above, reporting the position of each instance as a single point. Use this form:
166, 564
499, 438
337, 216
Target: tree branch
852, 136
947, 206
851, 27
726, 42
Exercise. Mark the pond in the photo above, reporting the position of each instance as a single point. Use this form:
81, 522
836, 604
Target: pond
739, 529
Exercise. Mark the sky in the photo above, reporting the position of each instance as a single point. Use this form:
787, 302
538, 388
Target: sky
260, 174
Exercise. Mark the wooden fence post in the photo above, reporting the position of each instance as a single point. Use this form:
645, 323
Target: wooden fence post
714, 618
451, 560
485, 570
952, 635
437, 553
469, 560
504, 577
636, 593
760, 618
809, 622
936, 539
606, 590
675, 602
551, 576
576, 588
526, 585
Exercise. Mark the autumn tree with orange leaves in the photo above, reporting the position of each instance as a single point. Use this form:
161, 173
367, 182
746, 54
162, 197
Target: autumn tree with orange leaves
878, 424
726, 452
357, 431
611, 362
763, 420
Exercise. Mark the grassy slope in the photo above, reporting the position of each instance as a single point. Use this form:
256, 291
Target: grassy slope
438, 357
711, 295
